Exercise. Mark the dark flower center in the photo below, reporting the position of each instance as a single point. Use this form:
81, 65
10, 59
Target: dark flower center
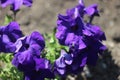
1, 34
26, 46
74, 28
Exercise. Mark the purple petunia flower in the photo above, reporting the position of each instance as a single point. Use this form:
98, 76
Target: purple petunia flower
34, 42
33, 67
27, 47
72, 30
8, 35
15, 3
83, 38
73, 62
42, 70
67, 63
27, 57
61, 63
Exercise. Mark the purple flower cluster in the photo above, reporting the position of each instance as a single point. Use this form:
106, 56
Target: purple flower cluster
28, 60
15, 4
83, 38
27, 49
27, 52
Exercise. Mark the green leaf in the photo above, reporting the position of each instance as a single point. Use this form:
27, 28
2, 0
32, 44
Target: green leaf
53, 48
8, 19
7, 70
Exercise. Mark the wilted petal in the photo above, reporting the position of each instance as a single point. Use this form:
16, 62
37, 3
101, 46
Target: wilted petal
92, 10
5, 3
28, 2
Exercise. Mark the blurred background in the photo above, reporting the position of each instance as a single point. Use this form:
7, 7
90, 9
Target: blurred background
42, 17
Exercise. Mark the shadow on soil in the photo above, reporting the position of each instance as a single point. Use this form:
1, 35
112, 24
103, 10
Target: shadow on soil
105, 69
